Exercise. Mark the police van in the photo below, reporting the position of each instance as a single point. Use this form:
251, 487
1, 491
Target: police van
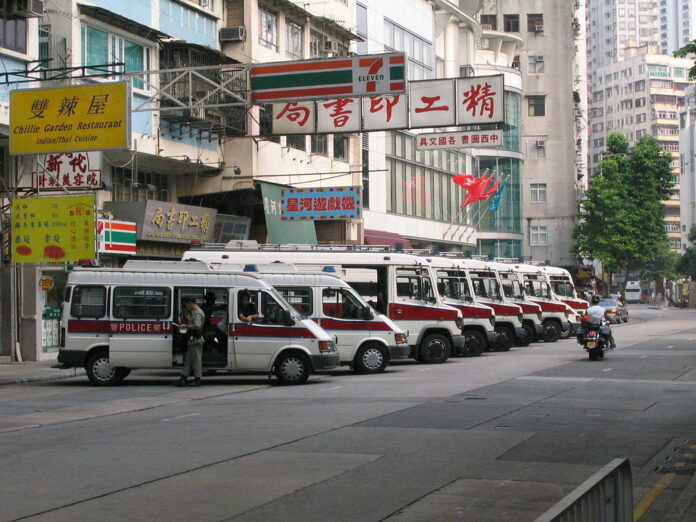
115, 320
366, 340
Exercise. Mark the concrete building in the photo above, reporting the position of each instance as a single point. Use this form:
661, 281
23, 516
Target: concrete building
642, 94
687, 149
677, 24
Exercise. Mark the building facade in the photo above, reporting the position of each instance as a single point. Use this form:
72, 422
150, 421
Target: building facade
687, 149
643, 94
677, 24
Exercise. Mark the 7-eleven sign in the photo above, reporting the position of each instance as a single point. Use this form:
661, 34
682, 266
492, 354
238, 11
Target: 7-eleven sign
369, 75
116, 237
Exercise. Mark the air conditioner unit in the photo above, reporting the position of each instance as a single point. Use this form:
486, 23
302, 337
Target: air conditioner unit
331, 46
540, 144
24, 8
232, 34
538, 28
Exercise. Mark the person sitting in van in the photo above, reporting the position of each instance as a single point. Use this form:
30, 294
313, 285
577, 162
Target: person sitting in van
211, 331
247, 311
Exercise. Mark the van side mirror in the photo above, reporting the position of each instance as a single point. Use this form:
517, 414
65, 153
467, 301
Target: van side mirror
286, 318
367, 314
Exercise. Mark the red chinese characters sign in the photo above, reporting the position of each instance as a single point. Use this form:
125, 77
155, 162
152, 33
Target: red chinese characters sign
294, 118
72, 170
331, 203
342, 115
458, 140
432, 104
480, 99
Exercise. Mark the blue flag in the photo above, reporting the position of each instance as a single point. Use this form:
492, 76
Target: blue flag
495, 198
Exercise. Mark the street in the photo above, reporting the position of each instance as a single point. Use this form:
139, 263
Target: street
499, 437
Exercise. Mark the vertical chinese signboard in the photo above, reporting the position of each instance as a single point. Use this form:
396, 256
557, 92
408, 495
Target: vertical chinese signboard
318, 203
66, 119
53, 229
75, 170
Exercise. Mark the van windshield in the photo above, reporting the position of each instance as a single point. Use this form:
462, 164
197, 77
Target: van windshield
512, 289
414, 283
562, 287
486, 285
537, 288
453, 284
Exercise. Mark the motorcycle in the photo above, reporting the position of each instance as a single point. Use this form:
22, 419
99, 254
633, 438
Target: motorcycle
594, 339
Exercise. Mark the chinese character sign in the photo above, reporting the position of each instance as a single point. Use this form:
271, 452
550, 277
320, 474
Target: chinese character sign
175, 223
385, 112
330, 203
72, 170
459, 140
432, 104
294, 118
480, 99
336, 116
53, 229
67, 119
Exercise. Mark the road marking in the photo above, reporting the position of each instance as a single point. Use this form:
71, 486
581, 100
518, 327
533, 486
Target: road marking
652, 495
180, 417
671, 346
679, 464
689, 455
425, 369
607, 369
334, 388
538, 348
643, 356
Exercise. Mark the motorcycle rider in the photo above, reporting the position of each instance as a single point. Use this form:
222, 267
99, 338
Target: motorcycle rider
596, 313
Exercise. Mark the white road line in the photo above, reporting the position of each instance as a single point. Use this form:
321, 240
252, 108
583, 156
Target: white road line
671, 346
334, 388
180, 417
643, 356
425, 369
607, 369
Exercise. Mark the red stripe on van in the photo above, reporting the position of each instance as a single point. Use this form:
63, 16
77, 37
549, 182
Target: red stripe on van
551, 307
119, 327
503, 310
337, 324
82, 326
473, 311
259, 330
406, 312
576, 305
528, 308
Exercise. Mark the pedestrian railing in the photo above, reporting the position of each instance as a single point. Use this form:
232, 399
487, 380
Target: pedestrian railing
605, 496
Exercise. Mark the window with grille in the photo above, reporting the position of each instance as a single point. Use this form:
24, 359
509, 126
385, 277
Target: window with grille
268, 29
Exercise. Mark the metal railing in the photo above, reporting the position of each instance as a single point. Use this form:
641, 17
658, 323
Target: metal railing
605, 496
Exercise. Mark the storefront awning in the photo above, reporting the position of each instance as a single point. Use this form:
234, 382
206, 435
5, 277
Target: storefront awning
390, 239
163, 164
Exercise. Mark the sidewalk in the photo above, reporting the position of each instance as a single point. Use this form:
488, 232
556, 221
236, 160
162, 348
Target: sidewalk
19, 372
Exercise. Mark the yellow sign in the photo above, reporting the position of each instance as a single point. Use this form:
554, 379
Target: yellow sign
53, 229
65, 119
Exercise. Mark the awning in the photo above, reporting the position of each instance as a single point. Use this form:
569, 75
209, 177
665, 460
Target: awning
164, 164
123, 23
390, 239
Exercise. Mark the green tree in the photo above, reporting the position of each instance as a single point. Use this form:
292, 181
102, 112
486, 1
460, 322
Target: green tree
692, 234
621, 219
662, 265
684, 52
687, 263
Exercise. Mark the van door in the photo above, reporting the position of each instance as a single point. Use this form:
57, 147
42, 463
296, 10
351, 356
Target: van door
257, 330
342, 317
141, 328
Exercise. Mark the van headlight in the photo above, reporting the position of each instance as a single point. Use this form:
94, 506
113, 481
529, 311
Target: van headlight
539, 316
492, 320
400, 338
521, 317
459, 322
327, 346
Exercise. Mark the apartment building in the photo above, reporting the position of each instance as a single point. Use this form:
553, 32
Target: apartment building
677, 24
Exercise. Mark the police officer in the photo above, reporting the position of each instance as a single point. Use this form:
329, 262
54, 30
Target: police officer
193, 317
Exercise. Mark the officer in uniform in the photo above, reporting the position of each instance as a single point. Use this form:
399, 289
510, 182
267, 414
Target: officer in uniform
193, 317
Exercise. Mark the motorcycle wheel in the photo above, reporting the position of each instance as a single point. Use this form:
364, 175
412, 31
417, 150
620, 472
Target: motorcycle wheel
594, 354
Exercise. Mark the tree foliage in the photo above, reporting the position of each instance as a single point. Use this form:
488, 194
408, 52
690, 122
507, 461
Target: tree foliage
684, 52
621, 219
687, 263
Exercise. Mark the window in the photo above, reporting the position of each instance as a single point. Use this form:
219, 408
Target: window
489, 21
535, 23
538, 236
320, 144
640, 102
122, 179
317, 45
538, 193
341, 304
266, 123
268, 29
537, 105
261, 303
536, 65
639, 85
300, 298
296, 141
511, 23
131, 302
340, 147
88, 301
44, 46
294, 40
13, 34
413, 283
361, 27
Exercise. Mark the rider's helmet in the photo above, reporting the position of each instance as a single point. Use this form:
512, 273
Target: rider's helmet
595, 299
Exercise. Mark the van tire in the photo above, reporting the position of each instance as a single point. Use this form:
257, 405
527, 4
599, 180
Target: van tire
371, 358
531, 333
528, 336
101, 373
292, 368
434, 349
552, 332
506, 339
474, 343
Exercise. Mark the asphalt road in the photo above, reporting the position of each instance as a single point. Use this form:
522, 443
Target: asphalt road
499, 437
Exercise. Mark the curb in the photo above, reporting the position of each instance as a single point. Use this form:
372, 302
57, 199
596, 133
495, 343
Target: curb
20, 380
685, 500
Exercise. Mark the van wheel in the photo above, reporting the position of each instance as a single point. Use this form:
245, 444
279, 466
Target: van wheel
531, 333
552, 332
101, 373
292, 368
474, 343
434, 349
506, 338
371, 358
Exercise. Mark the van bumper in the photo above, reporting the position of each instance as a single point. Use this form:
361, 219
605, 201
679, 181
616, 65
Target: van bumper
492, 337
458, 342
399, 351
565, 326
539, 329
520, 333
325, 361
72, 358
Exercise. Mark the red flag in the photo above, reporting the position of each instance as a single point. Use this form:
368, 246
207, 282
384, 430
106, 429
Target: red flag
476, 188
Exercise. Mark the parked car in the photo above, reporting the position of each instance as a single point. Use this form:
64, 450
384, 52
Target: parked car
618, 313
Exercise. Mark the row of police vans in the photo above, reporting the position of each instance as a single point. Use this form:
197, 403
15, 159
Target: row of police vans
314, 308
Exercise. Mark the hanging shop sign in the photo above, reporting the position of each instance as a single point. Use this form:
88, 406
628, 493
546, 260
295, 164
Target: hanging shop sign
321, 203
323, 78
66, 119
74, 170
116, 237
53, 229
459, 140
47, 283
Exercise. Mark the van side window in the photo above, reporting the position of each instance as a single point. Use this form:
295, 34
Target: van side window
300, 298
259, 304
134, 302
408, 284
338, 303
88, 301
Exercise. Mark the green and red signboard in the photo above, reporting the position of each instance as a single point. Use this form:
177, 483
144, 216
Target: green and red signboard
370, 75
